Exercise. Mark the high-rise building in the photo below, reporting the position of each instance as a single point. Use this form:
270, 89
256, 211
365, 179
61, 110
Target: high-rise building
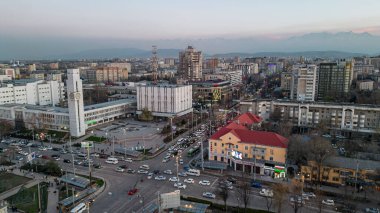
75, 103
334, 80
305, 82
190, 64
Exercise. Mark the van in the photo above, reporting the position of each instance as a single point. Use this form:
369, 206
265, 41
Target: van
81, 155
146, 167
112, 160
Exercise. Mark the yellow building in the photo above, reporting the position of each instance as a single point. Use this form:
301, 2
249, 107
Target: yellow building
341, 170
249, 151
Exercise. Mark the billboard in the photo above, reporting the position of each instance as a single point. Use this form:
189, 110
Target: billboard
87, 144
170, 200
236, 154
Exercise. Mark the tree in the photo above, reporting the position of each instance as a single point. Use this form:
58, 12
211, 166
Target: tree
146, 115
276, 115
320, 149
224, 193
285, 128
5, 128
279, 192
295, 189
269, 201
297, 150
244, 191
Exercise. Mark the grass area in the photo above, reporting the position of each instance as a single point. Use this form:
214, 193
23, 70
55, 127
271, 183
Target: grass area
96, 139
27, 199
9, 181
219, 207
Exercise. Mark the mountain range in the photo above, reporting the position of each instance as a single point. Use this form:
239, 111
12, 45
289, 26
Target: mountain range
324, 44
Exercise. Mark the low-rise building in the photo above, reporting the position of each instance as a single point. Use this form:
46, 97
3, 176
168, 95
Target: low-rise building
366, 85
217, 90
249, 151
341, 170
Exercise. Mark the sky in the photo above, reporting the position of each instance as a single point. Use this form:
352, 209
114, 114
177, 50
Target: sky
115, 20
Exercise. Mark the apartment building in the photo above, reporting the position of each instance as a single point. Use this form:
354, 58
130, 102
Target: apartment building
190, 64
217, 90
234, 77
340, 117
34, 93
106, 74
165, 100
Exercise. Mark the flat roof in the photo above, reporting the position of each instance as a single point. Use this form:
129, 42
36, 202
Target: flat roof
110, 103
350, 163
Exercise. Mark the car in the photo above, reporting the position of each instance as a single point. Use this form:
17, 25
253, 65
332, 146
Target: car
340, 137
132, 191
308, 194
208, 195
326, 136
204, 183
156, 171
168, 172
328, 202
256, 185
76, 162
266, 192
140, 171
182, 174
119, 169
165, 160
150, 175
225, 182
94, 155
189, 180
173, 179
29, 144
129, 160
124, 166
56, 157
232, 180
146, 167
334, 146
297, 199
372, 210
131, 171
66, 161
160, 177
97, 165
19, 158
181, 161
56, 149
180, 185
41, 148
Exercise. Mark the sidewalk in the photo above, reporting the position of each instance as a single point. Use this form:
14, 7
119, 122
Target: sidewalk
52, 198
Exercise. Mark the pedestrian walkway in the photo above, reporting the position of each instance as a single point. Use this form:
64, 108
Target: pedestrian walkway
52, 198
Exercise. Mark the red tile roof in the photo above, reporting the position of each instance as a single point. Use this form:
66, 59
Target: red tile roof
248, 118
254, 137
234, 125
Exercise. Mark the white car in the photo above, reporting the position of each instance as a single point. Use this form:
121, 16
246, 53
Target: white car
328, 202
49, 147
180, 185
182, 174
326, 136
146, 167
266, 193
181, 161
150, 175
160, 177
208, 195
41, 148
129, 160
142, 171
204, 183
169, 172
165, 160
308, 195
189, 180
119, 169
173, 179
95, 155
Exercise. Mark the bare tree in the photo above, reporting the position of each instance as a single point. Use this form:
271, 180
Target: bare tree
297, 150
295, 189
5, 128
285, 128
279, 192
320, 149
244, 191
269, 202
223, 193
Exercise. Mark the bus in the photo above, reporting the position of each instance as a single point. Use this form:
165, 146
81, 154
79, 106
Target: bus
194, 172
79, 208
192, 151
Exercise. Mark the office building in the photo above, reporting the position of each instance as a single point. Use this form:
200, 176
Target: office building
190, 64
219, 91
234, 77
305, 82
32, 92
334, 80
165, 100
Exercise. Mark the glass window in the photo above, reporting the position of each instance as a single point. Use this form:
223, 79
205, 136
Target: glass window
236, 146
214, 144
246, 147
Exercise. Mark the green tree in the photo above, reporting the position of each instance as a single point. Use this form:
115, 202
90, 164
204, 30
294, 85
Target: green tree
5, 128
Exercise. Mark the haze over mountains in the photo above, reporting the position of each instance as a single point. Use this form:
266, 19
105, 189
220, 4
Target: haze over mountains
342, 44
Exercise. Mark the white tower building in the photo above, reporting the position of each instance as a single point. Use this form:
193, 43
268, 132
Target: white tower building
75, 102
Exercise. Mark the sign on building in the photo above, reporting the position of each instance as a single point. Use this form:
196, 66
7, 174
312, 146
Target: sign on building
170, 200
87, 144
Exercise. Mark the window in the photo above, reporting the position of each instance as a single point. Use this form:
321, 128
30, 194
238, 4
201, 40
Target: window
271, 158
222, 151
222, 144
335, 179
236, 146
271, 151
214, 144
246, 155
215, 157
246, 147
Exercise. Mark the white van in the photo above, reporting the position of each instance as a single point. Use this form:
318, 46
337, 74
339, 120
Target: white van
112, 160
194, 172
146, 167
79, 208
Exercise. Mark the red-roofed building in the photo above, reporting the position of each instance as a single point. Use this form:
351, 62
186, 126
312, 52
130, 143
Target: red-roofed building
250, 151
248, 119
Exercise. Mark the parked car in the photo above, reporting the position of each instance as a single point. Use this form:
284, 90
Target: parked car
66, 161
180, 185
132, 191
131, 171
97, 165
182, 174
328, 202
204, 183
208, 195
160, 177
256, 185
150, 175
140, 171
372, 210
232, 180
119, 169
266, 193
189, 180
168, 172
129, 160
173, 179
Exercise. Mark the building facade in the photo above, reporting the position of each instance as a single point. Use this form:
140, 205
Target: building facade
75, 103
339, 117
334, 80
165, 100
34, 93
305, 82
218, 91
366, 85
249, 151
190, 64
235, 77
107, 74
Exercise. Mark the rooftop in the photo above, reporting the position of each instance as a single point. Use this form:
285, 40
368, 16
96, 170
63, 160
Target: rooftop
248, 119
350, 163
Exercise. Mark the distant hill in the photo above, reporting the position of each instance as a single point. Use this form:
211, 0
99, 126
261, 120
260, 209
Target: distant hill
308, 54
